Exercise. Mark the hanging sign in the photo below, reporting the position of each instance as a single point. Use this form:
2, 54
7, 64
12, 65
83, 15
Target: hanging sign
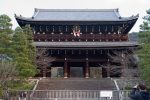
76, 30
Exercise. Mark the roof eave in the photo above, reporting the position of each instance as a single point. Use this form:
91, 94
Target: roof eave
120, 45
35, 20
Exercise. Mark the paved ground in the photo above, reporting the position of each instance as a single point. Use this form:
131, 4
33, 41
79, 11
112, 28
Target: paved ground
76, 84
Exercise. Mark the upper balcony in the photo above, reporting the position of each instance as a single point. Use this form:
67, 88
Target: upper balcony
81, 38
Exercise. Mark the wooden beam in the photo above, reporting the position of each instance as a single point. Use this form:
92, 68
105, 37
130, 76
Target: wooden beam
81, 60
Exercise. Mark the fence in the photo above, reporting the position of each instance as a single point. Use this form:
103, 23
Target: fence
69, 95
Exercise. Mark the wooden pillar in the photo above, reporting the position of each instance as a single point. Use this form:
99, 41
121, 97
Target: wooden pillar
86, 28
65, 67
124, 63
44, 71
87, 69
108, 68
87, 66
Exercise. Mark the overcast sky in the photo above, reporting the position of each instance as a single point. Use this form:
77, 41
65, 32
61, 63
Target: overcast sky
26, 7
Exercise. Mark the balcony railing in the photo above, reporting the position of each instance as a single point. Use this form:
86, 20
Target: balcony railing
82, 37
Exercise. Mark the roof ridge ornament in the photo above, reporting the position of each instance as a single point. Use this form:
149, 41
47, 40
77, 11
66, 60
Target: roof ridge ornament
116, 11
35, 13
15, 15
137, 15
35, 9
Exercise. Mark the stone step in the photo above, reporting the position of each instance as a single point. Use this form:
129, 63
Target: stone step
76, 84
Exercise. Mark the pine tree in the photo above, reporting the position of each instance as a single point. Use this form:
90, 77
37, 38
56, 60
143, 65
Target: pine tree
146, 23
24, 52
5, 34
144, 52
7, 66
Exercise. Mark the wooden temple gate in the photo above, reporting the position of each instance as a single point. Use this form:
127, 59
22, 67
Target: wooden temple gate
84, 37
83, 62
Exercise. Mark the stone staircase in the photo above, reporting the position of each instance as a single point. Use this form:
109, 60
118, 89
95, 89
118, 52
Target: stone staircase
75, 89
76, 84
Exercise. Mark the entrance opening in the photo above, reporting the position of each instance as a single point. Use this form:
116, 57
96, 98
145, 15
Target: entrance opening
96, 72
76, 69
56, 72
76, 72
57, 69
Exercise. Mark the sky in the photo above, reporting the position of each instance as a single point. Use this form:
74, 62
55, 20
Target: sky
25, 8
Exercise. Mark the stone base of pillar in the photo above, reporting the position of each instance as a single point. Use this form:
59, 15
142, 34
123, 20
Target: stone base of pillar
65, 75
87, 75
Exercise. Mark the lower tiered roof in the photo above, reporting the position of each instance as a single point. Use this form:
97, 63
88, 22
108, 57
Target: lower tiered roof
85, 44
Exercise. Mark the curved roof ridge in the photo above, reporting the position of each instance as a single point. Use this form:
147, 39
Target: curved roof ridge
75, 10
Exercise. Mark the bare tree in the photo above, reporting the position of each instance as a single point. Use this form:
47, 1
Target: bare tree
126, 61
115, 61
115, 57
7, 73
43, 58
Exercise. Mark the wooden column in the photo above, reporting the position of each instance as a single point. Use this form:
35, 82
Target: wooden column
87, 66
65, 68
124, 63
108, 68
44, 71
87, 69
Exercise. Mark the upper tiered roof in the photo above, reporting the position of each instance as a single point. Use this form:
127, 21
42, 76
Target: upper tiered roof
77, 15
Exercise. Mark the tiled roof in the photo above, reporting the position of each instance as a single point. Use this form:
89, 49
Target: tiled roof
77, 15
85, 44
